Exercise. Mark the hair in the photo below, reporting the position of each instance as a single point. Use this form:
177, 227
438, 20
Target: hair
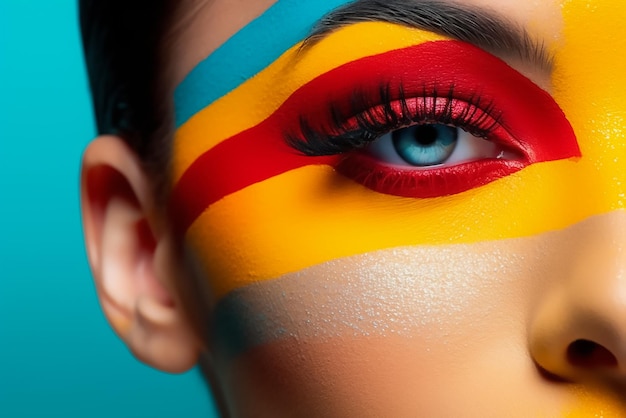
122, 44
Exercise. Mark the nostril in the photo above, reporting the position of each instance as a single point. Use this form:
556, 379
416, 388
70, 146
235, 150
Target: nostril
587, 354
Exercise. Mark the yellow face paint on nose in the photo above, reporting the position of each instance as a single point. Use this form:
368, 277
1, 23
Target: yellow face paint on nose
590, 86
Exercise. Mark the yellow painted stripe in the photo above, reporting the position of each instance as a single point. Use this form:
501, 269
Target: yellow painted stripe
313, 215
259, 97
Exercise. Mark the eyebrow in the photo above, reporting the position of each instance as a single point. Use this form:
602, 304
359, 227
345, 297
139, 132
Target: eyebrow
483, 28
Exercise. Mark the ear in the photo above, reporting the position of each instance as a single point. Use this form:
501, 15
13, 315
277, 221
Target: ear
129, 250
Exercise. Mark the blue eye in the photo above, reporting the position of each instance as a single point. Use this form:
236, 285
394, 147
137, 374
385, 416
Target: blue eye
425, 145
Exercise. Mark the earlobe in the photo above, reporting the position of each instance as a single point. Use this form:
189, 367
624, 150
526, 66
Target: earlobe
125, 243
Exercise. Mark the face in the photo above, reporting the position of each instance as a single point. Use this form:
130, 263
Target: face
399, 219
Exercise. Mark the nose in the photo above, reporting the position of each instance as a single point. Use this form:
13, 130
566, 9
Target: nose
578, 328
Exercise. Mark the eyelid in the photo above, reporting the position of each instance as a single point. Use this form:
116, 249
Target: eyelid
388, 111
529, 113
472, 72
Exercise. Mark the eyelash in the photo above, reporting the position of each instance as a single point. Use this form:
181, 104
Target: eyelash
376, 115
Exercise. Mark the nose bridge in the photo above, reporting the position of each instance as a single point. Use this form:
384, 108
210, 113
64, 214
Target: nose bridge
589, 83
596, 286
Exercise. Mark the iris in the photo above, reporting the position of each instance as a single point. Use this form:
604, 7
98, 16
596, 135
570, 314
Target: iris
425, 145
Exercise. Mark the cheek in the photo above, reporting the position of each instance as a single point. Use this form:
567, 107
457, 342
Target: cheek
345, 332
447, 321
336, 339
422, 293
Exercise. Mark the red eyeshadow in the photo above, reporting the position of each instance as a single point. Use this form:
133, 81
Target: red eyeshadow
531, 124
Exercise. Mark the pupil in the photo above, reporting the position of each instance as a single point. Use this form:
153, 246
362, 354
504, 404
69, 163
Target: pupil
426, 134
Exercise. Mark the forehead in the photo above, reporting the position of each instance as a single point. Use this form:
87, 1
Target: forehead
202, 26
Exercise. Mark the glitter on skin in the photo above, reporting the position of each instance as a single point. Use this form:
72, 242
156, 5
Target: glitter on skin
397, 291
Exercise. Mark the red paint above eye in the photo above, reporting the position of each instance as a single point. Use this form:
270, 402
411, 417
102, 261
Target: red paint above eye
532, 125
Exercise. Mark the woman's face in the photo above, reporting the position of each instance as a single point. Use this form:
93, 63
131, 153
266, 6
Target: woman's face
413, 213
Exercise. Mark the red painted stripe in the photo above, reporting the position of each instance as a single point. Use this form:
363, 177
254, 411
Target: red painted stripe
531, 123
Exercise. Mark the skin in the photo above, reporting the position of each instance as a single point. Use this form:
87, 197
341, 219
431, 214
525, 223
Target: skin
463, 305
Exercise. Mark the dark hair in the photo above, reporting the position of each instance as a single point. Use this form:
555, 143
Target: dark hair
122, 46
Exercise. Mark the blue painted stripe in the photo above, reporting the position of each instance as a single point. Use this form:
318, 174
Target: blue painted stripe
248, 52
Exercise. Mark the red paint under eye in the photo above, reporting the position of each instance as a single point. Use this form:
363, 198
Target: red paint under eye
529, 123
440, 181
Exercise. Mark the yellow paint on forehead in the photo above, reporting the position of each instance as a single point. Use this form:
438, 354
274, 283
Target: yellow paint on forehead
259, 97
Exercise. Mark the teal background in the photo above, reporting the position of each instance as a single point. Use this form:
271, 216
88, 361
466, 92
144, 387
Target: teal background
58, 357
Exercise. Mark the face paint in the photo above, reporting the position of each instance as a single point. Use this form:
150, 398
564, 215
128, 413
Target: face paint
389, 292
224, 69
261, 152
414, 292
257, 98
595, 106
530, 124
